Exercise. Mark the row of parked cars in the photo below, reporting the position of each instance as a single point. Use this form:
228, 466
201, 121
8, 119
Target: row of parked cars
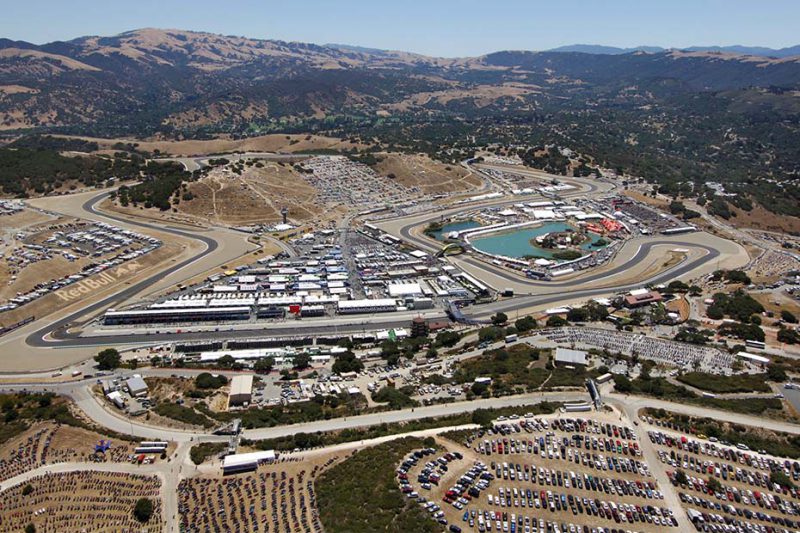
761, 462
557, 502
549, 443
583, 481
468, 486
724, 493
735, 518
597, 461
754, 478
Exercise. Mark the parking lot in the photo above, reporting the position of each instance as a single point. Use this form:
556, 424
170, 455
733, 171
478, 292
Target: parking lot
533, 474
47, 258
727, 487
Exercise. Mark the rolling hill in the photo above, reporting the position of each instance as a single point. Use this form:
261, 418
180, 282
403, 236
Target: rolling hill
679, 118
148, 81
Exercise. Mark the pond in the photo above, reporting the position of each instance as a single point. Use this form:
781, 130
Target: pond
517, 243
454, 226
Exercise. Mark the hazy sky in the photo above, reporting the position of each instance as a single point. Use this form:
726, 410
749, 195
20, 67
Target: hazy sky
436, 27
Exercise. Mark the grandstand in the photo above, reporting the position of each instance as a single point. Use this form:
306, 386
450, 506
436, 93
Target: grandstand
163, 316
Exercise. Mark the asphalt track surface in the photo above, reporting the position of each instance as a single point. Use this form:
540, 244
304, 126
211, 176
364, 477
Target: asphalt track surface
54, 334
56, 329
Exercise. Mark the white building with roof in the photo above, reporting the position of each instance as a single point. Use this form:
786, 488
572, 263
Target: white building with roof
570, 357
241, 390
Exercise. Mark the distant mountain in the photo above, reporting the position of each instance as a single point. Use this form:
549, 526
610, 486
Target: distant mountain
749, 50
735, 49
354, 48
605, 50
177, 82
682, 118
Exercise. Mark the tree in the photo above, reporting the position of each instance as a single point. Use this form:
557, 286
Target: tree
555, 321
525, 323
30, 528
108, 359
447, 338
789, 336
787, 316
143, 510
490, 334
578, 314
713, 484
27, 490
347, 362
264, 365
622, 384
479, 388
680, 477
206, 380
301, 361
776, 373
482, 417
499, 319
226, 361
780, 478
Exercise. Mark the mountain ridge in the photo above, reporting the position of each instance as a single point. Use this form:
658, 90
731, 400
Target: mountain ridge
760, 51
150, 80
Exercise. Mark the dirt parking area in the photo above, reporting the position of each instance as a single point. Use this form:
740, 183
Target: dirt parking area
541, 476
724, 485
50, 443
81, 501
278, 497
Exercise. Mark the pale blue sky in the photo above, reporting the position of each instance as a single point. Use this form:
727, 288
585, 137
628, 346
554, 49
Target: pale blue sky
436, 27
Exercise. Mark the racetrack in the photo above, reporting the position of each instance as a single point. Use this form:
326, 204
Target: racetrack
706, 253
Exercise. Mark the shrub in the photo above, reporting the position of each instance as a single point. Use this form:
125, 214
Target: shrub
143, 510
209, 381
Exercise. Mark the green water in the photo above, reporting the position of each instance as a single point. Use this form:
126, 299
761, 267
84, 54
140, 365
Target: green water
516, 243
454, 226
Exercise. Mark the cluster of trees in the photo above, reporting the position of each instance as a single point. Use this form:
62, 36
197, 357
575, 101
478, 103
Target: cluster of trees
347, 362
738, 305
160, 186
741, 330
678, 208
591, 312
732, 276
789, 336
25, 170
693, 335
681, 287
396, 398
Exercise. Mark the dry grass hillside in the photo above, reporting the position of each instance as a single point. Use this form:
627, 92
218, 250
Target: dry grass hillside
431, 177
254, 197
221, 145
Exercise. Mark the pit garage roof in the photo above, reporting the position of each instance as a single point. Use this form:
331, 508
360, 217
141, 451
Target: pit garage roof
404, 289
573, 357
